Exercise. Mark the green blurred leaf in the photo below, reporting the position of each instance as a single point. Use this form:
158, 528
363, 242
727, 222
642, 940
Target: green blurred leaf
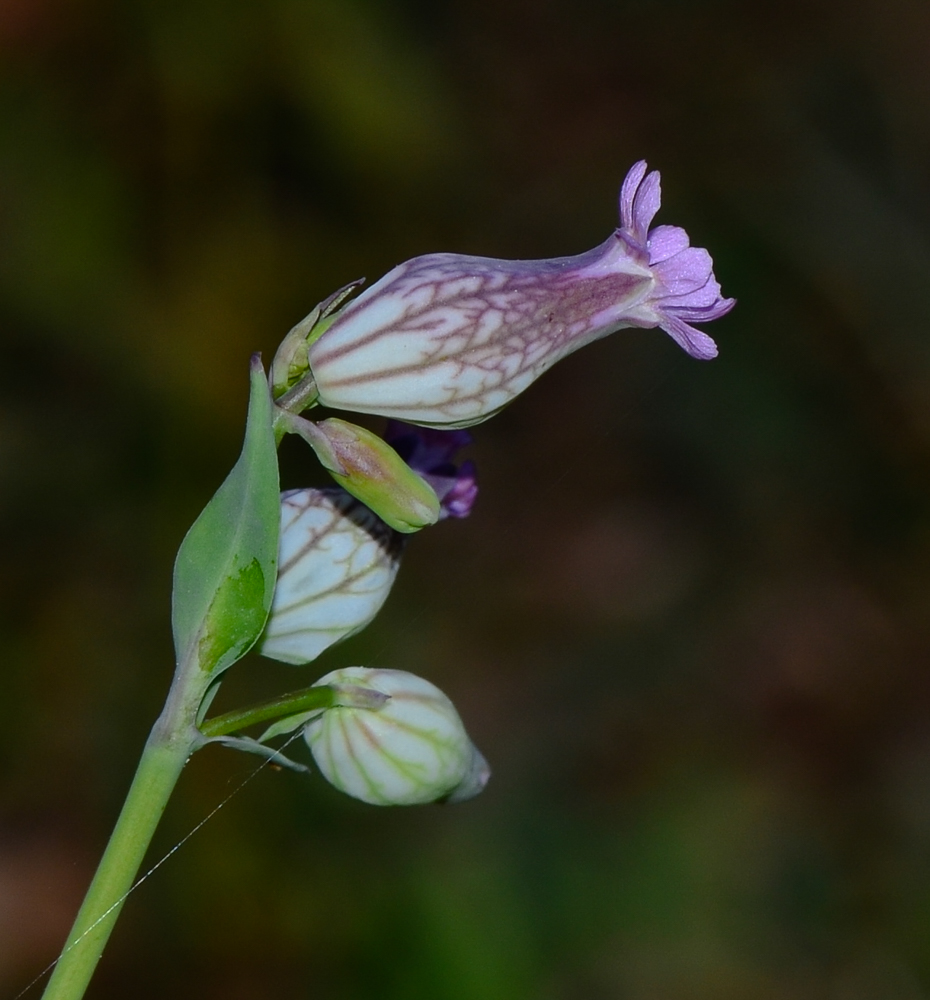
225, 572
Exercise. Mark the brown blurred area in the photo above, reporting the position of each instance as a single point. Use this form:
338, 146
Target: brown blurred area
687, 621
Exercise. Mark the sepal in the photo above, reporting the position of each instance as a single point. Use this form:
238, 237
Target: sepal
290, 363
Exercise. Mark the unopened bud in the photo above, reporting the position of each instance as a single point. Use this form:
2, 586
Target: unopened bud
369, 468
411, 750
336, 565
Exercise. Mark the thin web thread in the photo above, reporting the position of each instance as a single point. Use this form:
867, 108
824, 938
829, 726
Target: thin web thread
158, 865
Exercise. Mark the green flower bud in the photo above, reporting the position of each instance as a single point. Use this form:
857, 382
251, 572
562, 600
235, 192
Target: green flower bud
371, 470
411, 750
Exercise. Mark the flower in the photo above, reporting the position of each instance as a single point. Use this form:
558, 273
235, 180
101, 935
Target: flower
412, 749
336, 565
448, 340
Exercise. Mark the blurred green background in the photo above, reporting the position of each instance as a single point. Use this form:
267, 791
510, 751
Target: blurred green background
688, 620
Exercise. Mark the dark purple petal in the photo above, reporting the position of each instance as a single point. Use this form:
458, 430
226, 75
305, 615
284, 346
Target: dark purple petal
460, 498
425, 448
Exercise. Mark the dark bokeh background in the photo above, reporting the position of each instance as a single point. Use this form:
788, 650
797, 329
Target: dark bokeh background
688, 621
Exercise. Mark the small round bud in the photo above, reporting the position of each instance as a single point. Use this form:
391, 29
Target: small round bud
411, 750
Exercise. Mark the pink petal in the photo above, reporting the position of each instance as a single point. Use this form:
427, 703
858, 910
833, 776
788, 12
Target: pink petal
686, 272
700, 314
693, 341
665, 242
700, 298
627, 193
645, 205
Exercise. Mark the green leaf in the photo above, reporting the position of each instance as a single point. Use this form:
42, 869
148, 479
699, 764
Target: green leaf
225, 572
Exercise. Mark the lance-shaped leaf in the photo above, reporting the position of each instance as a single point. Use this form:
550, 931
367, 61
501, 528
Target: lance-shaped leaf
224, 575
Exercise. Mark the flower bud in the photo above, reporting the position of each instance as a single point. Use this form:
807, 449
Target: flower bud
336, 564
448, 340
412, 750
369, 468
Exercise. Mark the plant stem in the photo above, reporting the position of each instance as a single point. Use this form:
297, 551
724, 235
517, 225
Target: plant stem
318, 696
301, 396
172, 740
295, 703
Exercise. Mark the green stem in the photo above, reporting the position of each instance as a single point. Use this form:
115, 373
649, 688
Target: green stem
294, 703
300, 396
172, 740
